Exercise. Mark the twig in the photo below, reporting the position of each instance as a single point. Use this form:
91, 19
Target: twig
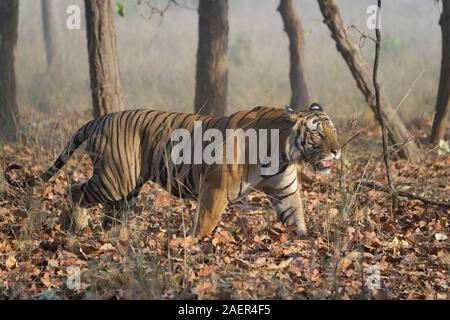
404, 194
341, 171
410, 89
362, 36
350, 139
155, 10
184, 6
378, 103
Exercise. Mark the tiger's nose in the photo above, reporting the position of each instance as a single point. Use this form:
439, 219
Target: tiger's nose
336, 152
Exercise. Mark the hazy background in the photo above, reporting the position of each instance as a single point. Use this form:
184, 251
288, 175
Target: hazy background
157, 57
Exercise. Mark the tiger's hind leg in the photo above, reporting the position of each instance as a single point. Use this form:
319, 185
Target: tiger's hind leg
77, 216
118, 212
83, 196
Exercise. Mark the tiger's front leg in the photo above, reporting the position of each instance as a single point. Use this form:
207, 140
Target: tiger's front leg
212, 201
284, 194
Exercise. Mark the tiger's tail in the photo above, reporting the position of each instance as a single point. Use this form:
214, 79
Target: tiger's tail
75, 142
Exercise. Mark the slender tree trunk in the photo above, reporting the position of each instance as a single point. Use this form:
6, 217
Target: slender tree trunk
294, 30
9, 18
359, 68
212, 58
103, 60
442, 104
52, 38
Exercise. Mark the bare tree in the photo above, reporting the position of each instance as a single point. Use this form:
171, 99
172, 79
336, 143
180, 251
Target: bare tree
359, 68
9, 18
294, 30
103, 60
212, 58
442, 104
52, 38
390, 189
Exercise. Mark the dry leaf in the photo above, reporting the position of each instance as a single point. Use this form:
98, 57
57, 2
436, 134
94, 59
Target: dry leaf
162, 200
10, 262
440, 237
107, 247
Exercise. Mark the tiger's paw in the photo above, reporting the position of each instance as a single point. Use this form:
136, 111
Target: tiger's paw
301, 231
75, 219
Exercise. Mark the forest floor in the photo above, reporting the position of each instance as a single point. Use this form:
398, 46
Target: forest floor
359, 246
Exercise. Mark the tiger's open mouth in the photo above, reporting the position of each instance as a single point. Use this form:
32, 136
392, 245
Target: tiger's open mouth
324, 166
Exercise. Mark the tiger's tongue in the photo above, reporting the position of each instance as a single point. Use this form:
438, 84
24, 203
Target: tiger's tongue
327, 163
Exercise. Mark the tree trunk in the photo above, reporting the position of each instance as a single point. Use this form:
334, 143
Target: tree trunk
359, 68
442, 104
103, 60
294, 30
52, 38
212, 58
9, 18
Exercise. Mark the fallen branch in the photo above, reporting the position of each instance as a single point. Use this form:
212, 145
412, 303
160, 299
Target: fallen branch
404, 194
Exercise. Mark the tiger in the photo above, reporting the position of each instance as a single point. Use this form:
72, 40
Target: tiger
129, 148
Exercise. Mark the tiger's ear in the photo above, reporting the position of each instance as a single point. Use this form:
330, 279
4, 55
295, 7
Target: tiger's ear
315, 107
289, 110
293, 116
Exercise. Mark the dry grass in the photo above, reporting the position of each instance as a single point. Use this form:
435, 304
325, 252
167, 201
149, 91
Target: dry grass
249, 256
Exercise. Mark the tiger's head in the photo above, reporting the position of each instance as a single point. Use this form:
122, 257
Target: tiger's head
313, 139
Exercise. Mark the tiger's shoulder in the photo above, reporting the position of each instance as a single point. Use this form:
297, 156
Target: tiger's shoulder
259, 117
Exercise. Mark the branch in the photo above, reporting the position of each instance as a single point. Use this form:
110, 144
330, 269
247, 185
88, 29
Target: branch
341, 171
155, 10
158, 11
378, 102
404, 194
350, 139
362, 36
184, 6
